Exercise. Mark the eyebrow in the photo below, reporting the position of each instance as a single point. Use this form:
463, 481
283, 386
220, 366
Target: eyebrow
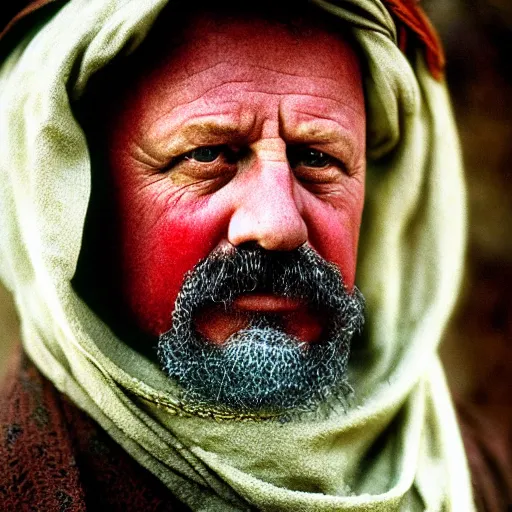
331, 132
203, 130
198, 129
221, 129
306, 132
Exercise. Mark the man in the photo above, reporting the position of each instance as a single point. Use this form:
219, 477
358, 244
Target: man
259, 176
204, 311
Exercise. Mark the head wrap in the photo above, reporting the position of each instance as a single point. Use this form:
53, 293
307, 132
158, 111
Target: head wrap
398, 446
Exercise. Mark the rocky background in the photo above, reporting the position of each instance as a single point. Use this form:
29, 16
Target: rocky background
478, 38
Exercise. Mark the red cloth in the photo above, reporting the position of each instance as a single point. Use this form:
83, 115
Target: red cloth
411, 21
53, 457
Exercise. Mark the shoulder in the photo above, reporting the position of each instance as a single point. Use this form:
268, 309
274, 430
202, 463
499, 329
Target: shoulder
486, 431
37, 466
55, 457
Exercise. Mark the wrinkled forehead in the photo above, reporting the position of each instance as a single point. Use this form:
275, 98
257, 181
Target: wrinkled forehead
302, 23
308, 43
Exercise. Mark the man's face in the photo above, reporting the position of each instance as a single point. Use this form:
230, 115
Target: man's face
246, 135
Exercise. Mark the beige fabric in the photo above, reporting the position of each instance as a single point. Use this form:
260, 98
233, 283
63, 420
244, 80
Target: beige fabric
398, 447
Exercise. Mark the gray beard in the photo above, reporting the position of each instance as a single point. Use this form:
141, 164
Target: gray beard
261, 370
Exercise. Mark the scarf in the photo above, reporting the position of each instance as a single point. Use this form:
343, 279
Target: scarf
397, 447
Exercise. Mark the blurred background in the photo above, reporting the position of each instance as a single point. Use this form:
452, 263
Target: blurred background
478, 39
477, 35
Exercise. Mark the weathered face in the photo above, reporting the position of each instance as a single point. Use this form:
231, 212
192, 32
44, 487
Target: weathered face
243, 149
244, 133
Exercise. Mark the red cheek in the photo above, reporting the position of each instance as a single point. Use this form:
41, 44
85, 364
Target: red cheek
158, 250
335, 235
342, 251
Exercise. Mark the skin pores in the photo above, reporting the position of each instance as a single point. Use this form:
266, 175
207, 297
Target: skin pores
246, 132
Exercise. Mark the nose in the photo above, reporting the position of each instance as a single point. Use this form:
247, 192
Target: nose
267, 213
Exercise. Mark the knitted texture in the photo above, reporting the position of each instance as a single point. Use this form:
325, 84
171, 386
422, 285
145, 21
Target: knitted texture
55, 458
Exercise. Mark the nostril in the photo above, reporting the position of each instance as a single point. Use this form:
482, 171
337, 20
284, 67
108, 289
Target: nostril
252, 245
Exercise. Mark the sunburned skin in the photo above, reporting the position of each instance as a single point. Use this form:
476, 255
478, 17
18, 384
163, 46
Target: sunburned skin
244, 133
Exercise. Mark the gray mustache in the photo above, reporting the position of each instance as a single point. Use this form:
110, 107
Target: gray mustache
298, 274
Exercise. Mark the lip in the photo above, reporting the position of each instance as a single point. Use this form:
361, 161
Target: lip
260, 302
217, 323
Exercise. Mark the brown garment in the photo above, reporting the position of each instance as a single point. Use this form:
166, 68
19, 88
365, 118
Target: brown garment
487, 434
53, 457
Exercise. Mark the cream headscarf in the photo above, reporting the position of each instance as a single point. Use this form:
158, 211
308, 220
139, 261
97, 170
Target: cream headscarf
398, 447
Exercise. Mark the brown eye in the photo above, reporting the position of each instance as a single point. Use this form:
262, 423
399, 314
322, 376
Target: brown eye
308, 157
205, 154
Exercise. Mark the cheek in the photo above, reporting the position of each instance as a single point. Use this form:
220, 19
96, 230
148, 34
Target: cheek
334, 232
160, 243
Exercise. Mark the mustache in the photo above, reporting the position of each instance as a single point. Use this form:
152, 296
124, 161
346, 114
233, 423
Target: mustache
299, 274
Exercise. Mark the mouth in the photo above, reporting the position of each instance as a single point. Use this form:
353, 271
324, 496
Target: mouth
217, 323
267, 303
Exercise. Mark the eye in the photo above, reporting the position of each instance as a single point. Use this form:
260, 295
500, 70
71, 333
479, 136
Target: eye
308, 157
205, 154
212, 165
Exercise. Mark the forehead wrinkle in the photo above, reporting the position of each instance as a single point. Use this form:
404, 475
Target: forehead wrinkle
317, 124
309, 96
239, 77
237, 71
186, 72
205, 76
280, 71
197, 97
184, 103
221, 116
332, 124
